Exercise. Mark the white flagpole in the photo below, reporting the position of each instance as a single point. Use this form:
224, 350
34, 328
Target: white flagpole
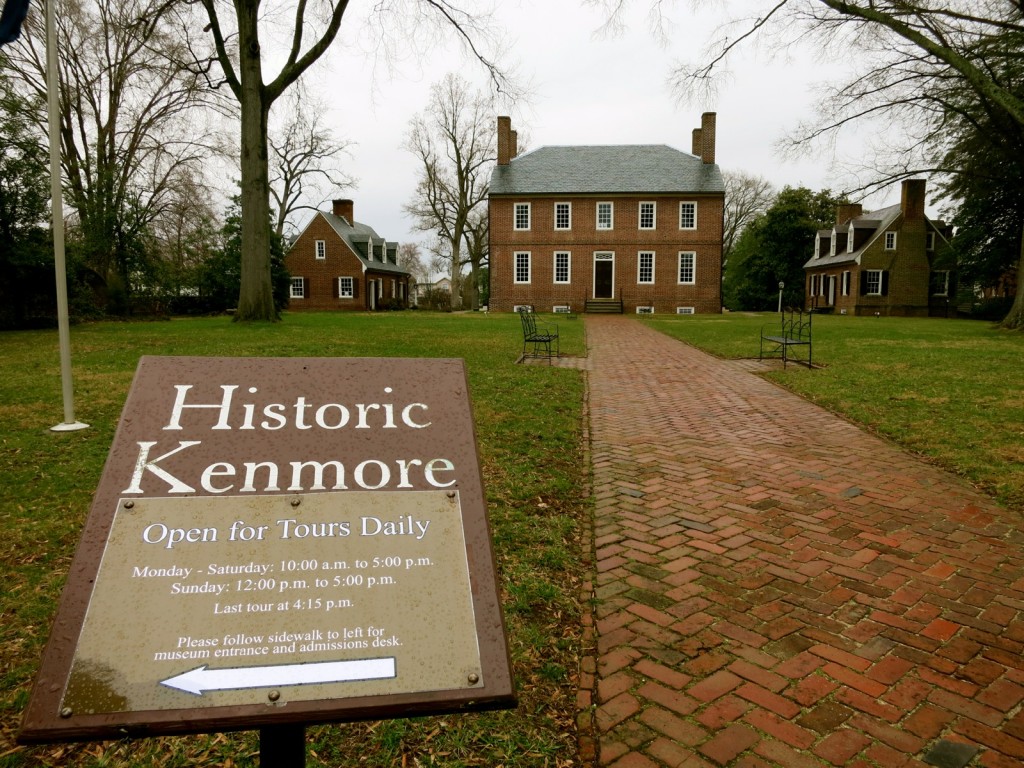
57, 211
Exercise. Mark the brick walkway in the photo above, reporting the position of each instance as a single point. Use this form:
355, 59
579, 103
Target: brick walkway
776, 587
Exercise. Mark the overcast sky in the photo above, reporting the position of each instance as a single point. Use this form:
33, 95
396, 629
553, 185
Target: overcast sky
585, 88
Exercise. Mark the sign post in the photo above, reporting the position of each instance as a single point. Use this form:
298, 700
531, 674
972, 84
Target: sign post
276, 542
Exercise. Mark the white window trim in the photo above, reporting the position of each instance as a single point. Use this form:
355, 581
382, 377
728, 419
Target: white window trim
569, 225
611, 215
351, 288
639, 256
679, 268
845, 283
554, 268
320, 250
817, 246
886, 241
515, 216
832, 245
648, 310
849, 238
694, 204
515, 267
878, 272
301, 285
685, 311
640, 214
929, 241
945, 290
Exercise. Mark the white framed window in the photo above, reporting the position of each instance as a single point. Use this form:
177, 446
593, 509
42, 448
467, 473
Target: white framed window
645, 267
685, 311
605, 215
563, 215
812, 288
688, 215
518, 307
346, 288
522, 216
849, 238
297, 289
873, 283
563, 267
845, 284
321, 250
832, 244
687, 268
940, 282
561, 309
645, 310
890, 241
647, 215
930, 241
522, 267
817, 247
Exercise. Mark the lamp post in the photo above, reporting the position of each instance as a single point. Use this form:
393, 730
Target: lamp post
781, 286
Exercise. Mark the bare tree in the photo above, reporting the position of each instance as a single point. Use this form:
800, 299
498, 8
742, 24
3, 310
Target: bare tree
303, 163
410, 258
477, 239
925, 50
746, 197
238, 39
454, 141
126, 140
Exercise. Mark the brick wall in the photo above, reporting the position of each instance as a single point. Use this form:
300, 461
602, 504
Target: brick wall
625, 240
321, 275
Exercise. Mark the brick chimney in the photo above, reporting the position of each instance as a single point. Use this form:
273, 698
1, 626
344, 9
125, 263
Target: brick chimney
707, 137
505, 140
912, 200
847, 211
514, 136
344, 208
696, 145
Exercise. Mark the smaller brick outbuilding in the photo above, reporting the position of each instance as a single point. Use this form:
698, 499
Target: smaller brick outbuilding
893, 261
339, 264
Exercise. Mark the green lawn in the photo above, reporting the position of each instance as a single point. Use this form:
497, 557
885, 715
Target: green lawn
951, 390
529, 425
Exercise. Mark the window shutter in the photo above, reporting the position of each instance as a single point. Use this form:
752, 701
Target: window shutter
862, 280
885, 282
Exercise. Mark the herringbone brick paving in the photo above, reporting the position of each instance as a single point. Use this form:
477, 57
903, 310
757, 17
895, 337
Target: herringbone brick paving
776, 587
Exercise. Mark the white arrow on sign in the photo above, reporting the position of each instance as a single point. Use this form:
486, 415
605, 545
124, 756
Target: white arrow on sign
203, 678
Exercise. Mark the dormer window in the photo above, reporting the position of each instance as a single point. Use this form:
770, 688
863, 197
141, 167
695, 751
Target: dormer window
849, 239
817, 247
832, 246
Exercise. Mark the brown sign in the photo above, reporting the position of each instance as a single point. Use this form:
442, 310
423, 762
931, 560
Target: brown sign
279, 540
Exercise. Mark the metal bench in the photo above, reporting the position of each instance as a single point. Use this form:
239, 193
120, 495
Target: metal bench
793, 331
538, 341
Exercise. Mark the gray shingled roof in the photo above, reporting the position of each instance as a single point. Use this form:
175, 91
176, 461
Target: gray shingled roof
877, 220
356, 233
632, 169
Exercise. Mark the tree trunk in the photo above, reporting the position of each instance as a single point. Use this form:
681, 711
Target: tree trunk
472, 292
256, 297
1015, 318
456, 275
